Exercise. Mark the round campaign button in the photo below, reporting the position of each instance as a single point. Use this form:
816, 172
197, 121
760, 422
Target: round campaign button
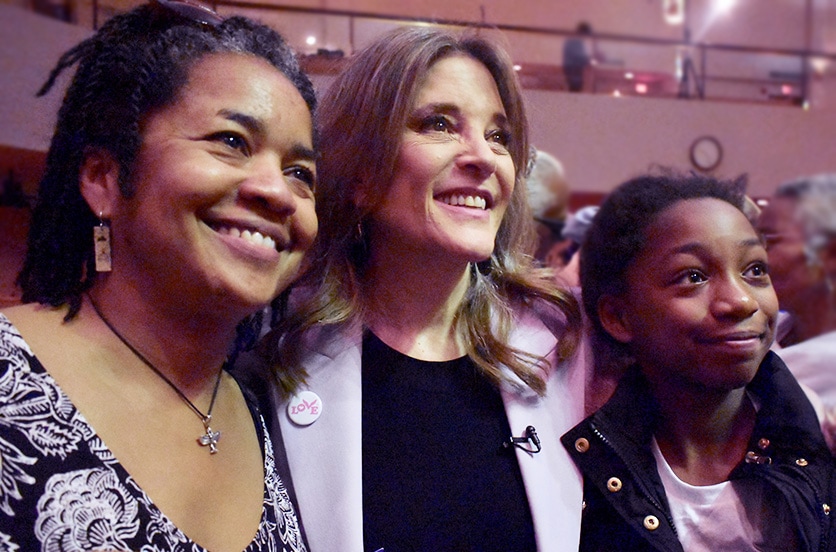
304, 408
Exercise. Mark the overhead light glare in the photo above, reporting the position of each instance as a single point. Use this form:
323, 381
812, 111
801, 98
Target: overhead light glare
819, 65
724, 6
673, 11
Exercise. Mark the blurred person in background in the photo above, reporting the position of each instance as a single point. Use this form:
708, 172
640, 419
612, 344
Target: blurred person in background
573, 234
578, 57
799, 224
548, 196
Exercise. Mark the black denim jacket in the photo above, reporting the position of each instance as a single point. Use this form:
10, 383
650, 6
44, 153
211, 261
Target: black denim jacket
625, 507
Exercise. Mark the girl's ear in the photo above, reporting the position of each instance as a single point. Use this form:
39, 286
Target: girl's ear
99, 182
611, 312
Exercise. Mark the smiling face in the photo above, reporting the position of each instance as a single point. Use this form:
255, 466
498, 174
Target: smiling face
224, 205
454, 175
699, 311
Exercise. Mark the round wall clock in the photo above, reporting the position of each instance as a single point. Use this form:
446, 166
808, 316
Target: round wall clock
706, 153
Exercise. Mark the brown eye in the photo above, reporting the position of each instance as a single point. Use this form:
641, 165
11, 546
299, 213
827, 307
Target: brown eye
436, 123
695, 277
758, 270
233, 141
302, 174
690, 277
501, 137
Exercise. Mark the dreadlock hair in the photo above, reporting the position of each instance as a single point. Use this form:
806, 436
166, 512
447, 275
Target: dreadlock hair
138, 62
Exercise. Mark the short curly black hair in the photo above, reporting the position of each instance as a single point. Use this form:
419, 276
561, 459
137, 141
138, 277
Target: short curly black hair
135, 64
618, 234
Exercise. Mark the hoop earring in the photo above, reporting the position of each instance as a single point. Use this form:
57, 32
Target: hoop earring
101, 245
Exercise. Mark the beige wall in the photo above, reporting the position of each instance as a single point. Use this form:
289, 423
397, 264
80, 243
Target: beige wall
603, 140
29, 48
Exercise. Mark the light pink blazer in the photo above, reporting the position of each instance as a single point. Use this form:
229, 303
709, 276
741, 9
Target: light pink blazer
325, 457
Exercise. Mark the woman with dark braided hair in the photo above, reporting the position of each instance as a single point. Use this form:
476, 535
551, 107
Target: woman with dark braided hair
177, 201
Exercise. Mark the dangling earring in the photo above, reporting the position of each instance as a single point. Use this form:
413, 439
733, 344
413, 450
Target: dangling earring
359, 248
101, 245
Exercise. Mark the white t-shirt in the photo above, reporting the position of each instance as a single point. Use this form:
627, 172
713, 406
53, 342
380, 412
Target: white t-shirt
726, 517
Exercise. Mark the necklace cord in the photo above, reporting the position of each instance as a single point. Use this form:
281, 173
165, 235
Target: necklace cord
205, 418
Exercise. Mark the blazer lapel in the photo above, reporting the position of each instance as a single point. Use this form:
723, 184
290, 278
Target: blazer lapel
325, 457
552, 482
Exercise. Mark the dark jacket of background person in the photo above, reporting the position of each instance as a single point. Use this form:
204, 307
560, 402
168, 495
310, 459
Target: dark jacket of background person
612, 446
577, 57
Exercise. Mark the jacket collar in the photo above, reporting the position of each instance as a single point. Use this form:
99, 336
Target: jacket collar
785, 416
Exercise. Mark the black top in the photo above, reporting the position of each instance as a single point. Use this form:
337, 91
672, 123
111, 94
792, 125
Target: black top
435, 474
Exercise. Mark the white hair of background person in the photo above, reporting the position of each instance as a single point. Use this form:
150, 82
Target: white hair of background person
543, 191
816, 212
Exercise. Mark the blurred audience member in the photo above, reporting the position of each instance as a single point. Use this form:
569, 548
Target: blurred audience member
548, 196
573, 235
577, 57
799, 224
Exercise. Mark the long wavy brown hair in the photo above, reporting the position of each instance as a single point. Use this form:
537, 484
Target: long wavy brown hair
362, 116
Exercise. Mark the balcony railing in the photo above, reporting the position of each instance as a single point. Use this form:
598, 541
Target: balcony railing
629, 65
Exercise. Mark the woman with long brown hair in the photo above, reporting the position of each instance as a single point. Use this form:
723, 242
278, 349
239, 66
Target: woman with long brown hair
425, 369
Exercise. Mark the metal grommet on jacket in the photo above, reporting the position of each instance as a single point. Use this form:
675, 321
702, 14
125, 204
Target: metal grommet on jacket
582, 444
613, 484
651, 523
755, 458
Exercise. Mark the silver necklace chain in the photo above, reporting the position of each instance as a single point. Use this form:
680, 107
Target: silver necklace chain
210, 438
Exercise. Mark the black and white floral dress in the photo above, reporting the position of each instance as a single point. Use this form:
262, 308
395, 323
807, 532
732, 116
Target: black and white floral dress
61, 489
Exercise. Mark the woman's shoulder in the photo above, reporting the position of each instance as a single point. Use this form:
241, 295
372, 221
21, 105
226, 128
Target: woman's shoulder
10, 337
32, 318
36, 327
